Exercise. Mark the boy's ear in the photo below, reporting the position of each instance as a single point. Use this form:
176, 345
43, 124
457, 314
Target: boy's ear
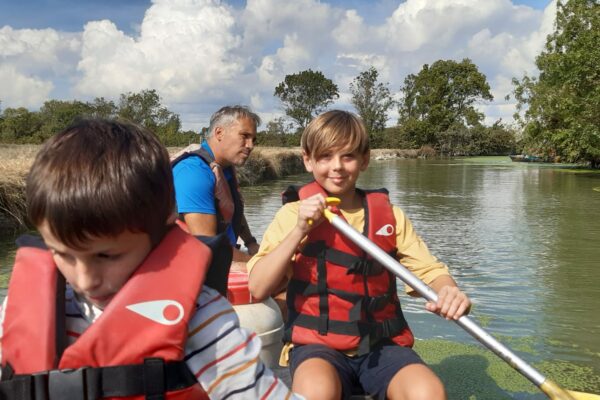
307, 163
365, 161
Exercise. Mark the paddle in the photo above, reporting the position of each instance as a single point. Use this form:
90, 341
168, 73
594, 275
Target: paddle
550, 388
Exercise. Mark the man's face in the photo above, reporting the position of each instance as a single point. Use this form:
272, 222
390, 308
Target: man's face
236, 142
104, 264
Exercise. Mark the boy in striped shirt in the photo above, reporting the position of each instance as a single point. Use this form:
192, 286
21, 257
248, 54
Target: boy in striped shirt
111, 303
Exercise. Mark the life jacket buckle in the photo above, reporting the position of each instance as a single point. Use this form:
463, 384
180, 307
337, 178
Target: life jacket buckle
67, 384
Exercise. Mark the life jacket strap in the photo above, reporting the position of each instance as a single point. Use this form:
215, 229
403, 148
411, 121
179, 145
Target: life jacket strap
373, 331
369, 304
151, 379
359, 265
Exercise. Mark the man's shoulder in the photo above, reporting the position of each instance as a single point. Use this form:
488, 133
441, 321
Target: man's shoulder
191, 162
192, 171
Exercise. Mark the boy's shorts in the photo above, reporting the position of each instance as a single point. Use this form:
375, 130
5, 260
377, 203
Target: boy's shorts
373, 371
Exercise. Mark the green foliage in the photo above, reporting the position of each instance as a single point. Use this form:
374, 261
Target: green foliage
57, 115
278, 133
460, 140
23, 126
102, 108
145, 108
371, 99
390, 138
439, 98
559, 110
19, 125
305, 95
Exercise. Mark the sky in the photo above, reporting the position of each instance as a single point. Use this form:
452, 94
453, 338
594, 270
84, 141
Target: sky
200, 55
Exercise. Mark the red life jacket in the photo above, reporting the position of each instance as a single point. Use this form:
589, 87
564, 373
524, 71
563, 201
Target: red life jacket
340, 296
134, 349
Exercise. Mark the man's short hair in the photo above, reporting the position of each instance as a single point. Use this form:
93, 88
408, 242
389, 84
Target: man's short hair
335, 129
229, 114
100, 178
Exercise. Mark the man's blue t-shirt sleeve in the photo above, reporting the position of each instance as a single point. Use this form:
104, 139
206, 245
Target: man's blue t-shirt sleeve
194, 186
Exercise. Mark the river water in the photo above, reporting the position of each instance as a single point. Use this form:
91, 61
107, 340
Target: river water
523, 240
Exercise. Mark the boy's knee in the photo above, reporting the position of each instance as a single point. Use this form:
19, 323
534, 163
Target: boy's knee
431, 391
416, 382
316, 379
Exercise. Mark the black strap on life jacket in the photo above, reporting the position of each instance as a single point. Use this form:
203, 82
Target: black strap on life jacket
151, 379
358, 265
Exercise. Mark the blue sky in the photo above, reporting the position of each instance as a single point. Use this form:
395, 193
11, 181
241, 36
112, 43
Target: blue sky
71, 15
201, 54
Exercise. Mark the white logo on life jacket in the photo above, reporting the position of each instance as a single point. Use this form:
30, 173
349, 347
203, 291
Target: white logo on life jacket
386, 230
166, 312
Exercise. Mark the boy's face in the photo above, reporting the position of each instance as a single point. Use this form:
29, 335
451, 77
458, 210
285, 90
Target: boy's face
337, 170
99, 270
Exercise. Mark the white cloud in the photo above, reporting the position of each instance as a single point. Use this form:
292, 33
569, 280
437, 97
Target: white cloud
30, 61
201, 54
351, 31
20, 90
185, 50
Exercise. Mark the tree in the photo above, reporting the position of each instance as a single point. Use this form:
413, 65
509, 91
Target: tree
441, 96
305, 95
58, 114
19, 125
371, 99
102, 108
145, 108
558, 110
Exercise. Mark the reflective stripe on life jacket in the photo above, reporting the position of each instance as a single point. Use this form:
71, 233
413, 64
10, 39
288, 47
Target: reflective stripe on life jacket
338, 295
228, 199
134, 348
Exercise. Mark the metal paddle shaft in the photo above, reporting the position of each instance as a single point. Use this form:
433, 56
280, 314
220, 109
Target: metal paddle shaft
547, 386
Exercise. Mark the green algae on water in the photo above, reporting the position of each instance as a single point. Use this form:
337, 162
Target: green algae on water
473, 372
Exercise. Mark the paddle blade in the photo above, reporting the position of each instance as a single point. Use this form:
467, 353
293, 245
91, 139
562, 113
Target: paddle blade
555, 392
584, 396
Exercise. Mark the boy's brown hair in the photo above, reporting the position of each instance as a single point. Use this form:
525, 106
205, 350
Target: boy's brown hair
100, 178
335, 129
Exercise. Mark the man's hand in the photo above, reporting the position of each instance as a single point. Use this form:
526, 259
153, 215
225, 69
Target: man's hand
253, 248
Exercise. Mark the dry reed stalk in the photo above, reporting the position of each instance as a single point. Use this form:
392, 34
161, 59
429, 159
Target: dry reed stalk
15, 161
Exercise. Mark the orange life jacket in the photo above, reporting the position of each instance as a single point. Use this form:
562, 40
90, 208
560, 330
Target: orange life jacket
134, 350
338, 295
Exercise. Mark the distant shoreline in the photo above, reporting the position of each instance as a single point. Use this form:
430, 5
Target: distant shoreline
265, 163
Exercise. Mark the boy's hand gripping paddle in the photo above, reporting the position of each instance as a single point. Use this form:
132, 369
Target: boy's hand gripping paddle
330, 201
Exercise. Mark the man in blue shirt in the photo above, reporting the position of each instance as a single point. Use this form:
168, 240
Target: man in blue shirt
206, 189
